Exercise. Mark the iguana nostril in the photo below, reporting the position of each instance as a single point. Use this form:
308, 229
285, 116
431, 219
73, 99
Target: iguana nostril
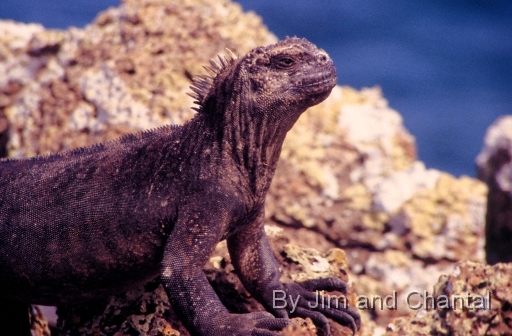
322, 58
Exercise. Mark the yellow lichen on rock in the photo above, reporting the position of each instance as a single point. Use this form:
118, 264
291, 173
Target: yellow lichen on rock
358, 197
442, 222
132, 66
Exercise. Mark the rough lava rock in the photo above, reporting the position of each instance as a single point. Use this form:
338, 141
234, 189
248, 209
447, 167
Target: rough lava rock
348, 175
349, 170
481, 304
127, 71
495, 169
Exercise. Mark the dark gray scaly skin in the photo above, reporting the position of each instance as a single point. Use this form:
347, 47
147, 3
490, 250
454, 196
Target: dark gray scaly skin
94, 221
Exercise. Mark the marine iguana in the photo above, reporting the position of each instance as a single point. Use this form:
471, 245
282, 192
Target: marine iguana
87, 223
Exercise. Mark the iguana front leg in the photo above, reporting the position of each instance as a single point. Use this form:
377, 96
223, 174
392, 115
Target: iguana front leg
258, 270
198, 230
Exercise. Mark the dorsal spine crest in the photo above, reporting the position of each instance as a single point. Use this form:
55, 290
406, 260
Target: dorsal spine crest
202, 84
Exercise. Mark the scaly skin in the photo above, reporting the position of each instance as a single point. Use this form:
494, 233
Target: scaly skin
90, 222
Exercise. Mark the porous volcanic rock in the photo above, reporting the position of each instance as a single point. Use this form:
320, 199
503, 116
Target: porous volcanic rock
349, 170
475, 300
127, 71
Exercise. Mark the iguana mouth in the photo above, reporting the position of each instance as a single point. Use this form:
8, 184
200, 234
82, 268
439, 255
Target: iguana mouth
326, 82
317, 83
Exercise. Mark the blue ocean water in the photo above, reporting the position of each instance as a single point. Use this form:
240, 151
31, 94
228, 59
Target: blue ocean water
445, 65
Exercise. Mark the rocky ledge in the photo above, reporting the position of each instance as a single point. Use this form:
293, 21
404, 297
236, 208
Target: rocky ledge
495, 169
349, 183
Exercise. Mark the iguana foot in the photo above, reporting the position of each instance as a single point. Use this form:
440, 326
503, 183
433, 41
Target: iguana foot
308, 302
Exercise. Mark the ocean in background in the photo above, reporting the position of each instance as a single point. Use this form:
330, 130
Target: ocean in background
445, 65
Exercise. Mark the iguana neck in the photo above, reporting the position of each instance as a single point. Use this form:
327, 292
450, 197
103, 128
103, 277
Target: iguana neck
254, 144
249, 131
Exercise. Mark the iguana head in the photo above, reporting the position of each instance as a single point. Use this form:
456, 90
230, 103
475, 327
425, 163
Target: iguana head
293, 72
278, 81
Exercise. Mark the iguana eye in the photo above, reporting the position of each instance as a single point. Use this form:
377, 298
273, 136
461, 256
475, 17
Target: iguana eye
283, 62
